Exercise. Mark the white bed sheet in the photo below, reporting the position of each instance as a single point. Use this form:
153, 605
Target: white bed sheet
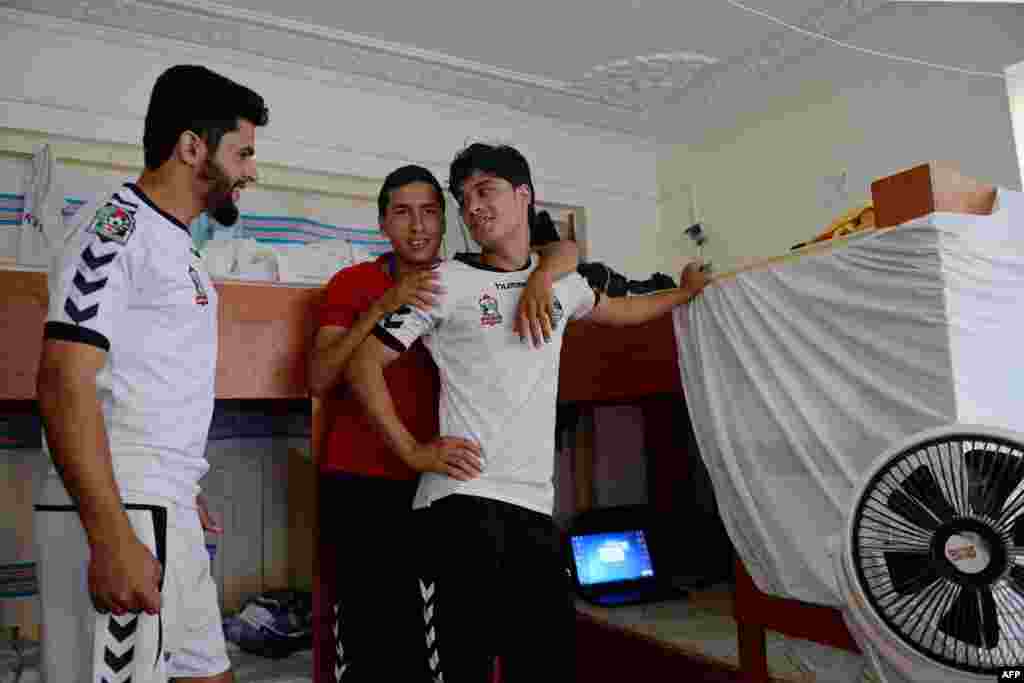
798, 375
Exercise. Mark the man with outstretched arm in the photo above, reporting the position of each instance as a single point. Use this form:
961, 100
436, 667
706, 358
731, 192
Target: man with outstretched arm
496, 573
368, 490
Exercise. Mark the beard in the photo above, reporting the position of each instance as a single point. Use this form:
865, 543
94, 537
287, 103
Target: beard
219, 202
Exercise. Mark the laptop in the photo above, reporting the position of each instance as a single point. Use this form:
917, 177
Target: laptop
612, 564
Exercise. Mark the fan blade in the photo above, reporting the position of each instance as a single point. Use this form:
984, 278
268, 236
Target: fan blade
910, 572
921, 484
902, 504
991, 478
989, 620
972, 619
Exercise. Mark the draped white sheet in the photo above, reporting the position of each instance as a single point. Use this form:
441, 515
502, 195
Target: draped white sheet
800, 373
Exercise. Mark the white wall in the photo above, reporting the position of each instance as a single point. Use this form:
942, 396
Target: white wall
759, 178
1015, 91
67, 79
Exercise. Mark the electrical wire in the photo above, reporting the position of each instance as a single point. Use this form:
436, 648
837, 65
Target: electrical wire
876, 53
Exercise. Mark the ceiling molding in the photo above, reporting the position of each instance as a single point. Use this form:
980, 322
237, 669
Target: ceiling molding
442, 102
287, 148
659, 97
236, 14
307, 48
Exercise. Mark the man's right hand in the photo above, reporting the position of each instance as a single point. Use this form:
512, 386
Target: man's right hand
124, 577
452, 455
419, 288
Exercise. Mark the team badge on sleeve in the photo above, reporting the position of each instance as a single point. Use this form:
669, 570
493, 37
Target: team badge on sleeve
489, 314
201, 297
113, 224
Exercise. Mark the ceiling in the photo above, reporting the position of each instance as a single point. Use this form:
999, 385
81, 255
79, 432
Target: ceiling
539, 39
638, 67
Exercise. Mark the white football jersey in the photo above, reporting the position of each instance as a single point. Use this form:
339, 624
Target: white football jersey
495, 390
131, 283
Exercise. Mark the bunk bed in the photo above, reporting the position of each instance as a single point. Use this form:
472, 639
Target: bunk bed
902, 197
266, 330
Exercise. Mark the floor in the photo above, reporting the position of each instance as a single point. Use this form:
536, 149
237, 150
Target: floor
248, 668
703, 625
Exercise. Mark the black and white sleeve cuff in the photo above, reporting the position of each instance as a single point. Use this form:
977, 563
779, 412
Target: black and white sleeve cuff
75, 333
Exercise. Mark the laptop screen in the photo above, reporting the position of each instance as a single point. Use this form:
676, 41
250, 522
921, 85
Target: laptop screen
611, 557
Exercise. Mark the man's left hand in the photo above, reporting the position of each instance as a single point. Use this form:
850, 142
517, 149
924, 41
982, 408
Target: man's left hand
535, 310
206, 519
694, 278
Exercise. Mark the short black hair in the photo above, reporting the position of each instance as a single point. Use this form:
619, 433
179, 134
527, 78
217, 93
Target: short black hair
500, 161
406, 175
192, 97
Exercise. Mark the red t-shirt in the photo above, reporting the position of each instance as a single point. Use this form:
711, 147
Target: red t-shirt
352, 443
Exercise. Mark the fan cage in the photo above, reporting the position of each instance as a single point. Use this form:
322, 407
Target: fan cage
917, 616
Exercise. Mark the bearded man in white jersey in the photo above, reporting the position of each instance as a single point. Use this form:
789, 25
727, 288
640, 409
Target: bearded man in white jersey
126, 391
497, 578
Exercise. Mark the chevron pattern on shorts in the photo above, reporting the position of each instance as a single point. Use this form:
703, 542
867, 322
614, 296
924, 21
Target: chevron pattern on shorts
340, 665
428, 594
119, 649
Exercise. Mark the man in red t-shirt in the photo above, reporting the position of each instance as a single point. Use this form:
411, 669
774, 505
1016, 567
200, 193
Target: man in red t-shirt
379, 622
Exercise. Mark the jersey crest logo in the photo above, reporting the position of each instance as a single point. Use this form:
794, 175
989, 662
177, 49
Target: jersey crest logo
395, 319
113, 224
201, 298
489, 314
557, 312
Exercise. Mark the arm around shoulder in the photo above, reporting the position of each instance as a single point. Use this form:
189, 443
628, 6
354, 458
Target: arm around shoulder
558, 259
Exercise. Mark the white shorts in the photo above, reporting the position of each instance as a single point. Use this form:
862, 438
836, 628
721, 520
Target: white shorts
81, 645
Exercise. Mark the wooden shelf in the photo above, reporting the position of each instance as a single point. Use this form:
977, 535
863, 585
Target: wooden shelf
265, 331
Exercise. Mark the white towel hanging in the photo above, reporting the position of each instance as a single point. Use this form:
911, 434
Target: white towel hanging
42, 225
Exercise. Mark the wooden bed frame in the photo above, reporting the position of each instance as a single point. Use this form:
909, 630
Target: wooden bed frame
265, 331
